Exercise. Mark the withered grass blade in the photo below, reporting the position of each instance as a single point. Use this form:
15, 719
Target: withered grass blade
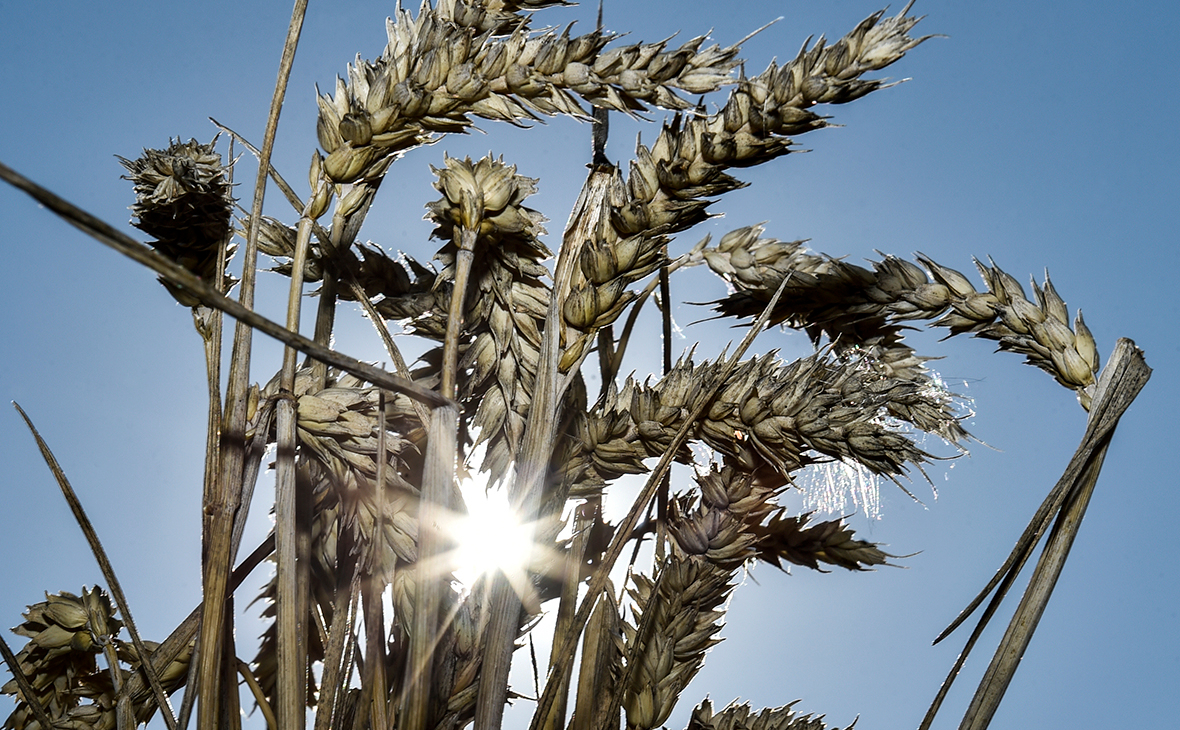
1120, 382
1122, 379
104, 564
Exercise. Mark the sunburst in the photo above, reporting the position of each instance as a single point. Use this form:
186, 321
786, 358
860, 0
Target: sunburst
490, 537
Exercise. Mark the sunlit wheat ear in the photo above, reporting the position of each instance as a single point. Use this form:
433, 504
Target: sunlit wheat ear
337, 436
184, 201
447, 65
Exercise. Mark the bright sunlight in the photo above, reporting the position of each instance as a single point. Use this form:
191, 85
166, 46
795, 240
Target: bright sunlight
489, 537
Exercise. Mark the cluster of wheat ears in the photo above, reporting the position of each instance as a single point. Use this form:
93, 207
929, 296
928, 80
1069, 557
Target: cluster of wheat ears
367, 462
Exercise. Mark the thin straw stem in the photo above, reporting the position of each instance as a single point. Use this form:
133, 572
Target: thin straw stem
334, 683
666, 483
178, 275
450, 361
574, 559
375, 691
220, 509
291, 681
438, 478
625, 527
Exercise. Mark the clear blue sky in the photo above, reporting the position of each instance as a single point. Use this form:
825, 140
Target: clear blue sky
1039, 135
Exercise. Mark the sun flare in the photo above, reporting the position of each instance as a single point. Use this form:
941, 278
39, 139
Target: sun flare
489, 537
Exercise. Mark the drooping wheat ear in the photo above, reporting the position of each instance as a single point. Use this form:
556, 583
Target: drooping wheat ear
1038, 331
734, 518
677, 617
741, 717
184, 200
858, 308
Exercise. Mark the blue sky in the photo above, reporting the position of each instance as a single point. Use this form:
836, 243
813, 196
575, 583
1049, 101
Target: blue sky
1039, 136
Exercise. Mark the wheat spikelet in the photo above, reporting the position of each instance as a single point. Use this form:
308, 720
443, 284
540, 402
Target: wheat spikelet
717, 523
493, 16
